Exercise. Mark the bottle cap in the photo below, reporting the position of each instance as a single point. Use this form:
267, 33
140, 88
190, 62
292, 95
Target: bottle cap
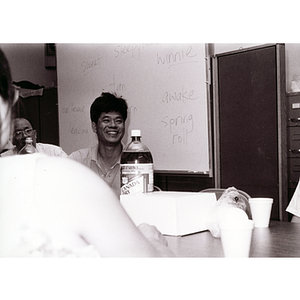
135, 132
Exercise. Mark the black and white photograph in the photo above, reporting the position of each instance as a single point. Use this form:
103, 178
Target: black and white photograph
149, 152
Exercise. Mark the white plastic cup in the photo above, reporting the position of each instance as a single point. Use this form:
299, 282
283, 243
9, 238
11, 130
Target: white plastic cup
236, 240
261, 211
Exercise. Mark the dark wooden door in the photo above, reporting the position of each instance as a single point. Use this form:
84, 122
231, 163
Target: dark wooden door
248, 123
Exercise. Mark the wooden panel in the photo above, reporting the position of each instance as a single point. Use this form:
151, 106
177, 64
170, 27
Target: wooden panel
293, 141
182, 182
49, 117
248, 123
294, 171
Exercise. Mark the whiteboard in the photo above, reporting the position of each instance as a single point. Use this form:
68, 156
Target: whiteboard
165, 89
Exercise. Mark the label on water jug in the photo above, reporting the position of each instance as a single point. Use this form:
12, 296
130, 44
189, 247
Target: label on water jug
136, 178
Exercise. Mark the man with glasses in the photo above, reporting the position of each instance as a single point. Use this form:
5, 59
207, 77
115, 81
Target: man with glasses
22, 130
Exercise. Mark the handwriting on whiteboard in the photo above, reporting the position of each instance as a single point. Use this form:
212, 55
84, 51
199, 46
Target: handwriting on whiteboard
90, 64
78, 131
117, 87
178, 128
130, 49
182, 96
184, 56
132, 110
73, 109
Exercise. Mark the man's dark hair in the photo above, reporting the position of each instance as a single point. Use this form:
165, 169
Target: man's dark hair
108, 102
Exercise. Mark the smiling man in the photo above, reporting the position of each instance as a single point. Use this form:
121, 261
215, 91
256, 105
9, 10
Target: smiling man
108, 114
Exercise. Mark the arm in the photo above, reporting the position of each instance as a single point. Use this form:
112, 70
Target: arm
70, 195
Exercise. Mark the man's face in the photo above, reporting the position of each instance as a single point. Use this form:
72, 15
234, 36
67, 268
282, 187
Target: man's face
22, 130
110, 128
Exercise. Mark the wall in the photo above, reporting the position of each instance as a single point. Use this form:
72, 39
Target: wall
222, 47
27, 62
292, 61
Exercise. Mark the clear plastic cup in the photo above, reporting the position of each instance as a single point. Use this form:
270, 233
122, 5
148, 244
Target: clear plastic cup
261, 211
236, 238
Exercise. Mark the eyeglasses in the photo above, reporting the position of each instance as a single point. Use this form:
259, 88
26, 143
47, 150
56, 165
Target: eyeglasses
18, 134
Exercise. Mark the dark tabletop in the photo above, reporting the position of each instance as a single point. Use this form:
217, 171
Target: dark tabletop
280, 239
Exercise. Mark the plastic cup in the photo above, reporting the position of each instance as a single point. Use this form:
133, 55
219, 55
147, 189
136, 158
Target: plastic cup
236, 238
261, 211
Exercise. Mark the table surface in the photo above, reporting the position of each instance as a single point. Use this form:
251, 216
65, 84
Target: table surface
280, 239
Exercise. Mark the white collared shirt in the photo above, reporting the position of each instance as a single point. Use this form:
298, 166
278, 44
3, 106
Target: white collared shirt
48, 149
